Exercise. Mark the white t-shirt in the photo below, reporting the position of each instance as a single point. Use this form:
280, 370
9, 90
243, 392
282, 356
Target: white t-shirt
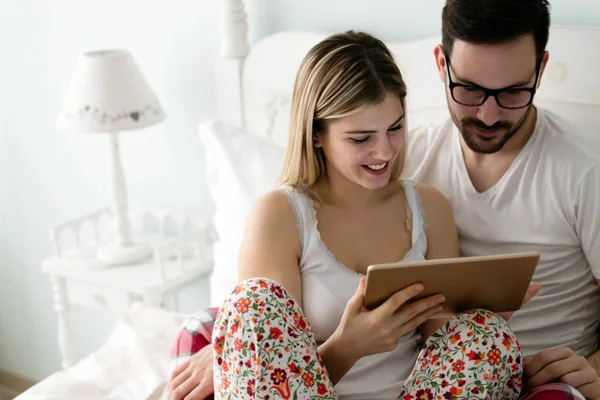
547, 201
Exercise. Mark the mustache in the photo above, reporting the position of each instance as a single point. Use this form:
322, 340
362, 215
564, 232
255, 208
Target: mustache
479, 124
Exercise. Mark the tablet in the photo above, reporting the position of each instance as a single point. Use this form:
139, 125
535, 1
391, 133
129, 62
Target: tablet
497, 282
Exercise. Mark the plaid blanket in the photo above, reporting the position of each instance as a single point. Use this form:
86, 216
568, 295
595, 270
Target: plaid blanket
554, 391
195, 333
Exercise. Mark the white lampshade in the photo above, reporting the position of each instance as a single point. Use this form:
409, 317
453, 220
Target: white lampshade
108, 93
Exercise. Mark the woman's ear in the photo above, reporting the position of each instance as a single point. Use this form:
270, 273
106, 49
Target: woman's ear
316, 140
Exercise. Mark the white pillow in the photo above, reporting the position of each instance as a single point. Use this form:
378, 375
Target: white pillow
240, 167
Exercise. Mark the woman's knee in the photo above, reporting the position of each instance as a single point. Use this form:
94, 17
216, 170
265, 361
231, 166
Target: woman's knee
480, 319
476, 351
256, 291
480, 327
252, 300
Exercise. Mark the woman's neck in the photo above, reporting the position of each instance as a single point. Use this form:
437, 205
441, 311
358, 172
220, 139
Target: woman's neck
339, 191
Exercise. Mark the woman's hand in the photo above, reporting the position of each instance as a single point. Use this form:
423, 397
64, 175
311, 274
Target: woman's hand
193, 380
362, 332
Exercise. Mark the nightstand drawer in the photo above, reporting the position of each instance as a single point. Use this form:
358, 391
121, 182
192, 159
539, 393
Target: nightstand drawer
90, 295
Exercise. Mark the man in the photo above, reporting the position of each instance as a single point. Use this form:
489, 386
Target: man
518, 179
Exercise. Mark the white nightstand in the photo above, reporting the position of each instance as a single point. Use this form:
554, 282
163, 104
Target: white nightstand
182, 253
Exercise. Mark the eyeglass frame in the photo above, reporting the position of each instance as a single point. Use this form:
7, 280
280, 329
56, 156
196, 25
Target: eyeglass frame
492, 92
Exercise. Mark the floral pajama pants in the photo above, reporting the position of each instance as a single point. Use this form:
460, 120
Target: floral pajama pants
264, 348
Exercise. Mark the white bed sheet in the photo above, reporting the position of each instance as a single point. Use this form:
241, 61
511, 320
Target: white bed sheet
132, 364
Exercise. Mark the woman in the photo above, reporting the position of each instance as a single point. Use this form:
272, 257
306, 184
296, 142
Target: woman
295, 326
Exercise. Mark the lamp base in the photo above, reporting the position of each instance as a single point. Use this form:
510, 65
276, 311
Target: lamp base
115, 254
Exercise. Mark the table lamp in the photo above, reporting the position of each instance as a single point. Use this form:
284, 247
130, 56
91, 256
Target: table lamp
109, 94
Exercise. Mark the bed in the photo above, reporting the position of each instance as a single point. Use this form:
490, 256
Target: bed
244, 145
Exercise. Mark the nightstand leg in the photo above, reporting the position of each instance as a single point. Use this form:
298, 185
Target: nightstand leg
61, 306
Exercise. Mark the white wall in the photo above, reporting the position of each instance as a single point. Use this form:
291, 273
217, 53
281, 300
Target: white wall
397, 19
50, 177
47, 177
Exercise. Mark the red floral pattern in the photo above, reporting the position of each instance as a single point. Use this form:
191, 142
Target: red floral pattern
474, 356
264, 348
271, 353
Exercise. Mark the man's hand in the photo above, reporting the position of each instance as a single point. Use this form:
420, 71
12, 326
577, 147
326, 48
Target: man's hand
562, 365
193, 380
532, 291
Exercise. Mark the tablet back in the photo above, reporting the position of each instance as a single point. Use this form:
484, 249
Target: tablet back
497, 283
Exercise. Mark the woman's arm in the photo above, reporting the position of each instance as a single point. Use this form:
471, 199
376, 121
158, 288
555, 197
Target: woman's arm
270, 245
271, 249
336, 360
442, 239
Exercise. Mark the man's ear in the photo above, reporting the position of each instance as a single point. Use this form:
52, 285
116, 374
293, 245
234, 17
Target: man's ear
440, 61
543, 64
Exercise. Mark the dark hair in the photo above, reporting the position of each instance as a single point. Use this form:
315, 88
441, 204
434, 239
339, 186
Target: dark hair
495, 22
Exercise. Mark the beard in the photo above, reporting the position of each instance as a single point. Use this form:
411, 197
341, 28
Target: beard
487, 145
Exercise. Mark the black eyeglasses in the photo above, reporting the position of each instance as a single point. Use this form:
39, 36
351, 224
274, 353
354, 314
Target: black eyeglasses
474, 96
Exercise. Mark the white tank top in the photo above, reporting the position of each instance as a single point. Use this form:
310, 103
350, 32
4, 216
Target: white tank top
327, 285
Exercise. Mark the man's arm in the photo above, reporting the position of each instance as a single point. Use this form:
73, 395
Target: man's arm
587, 215
594, 360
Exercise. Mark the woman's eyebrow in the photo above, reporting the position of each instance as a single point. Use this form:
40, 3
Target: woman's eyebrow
374, 131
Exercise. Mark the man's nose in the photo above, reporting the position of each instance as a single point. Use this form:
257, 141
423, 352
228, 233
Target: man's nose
489, 112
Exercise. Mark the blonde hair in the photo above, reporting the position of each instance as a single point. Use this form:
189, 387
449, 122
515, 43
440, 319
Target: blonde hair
344, 74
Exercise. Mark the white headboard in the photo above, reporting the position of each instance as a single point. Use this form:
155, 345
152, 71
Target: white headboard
255, 85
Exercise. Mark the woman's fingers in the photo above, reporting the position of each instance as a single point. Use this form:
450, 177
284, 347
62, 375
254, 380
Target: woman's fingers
417, 320
420, 306
397, 300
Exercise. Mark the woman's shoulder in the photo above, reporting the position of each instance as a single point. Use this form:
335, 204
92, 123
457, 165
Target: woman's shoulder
273, 206
272, 218
442, 235
436, 206
430, 194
